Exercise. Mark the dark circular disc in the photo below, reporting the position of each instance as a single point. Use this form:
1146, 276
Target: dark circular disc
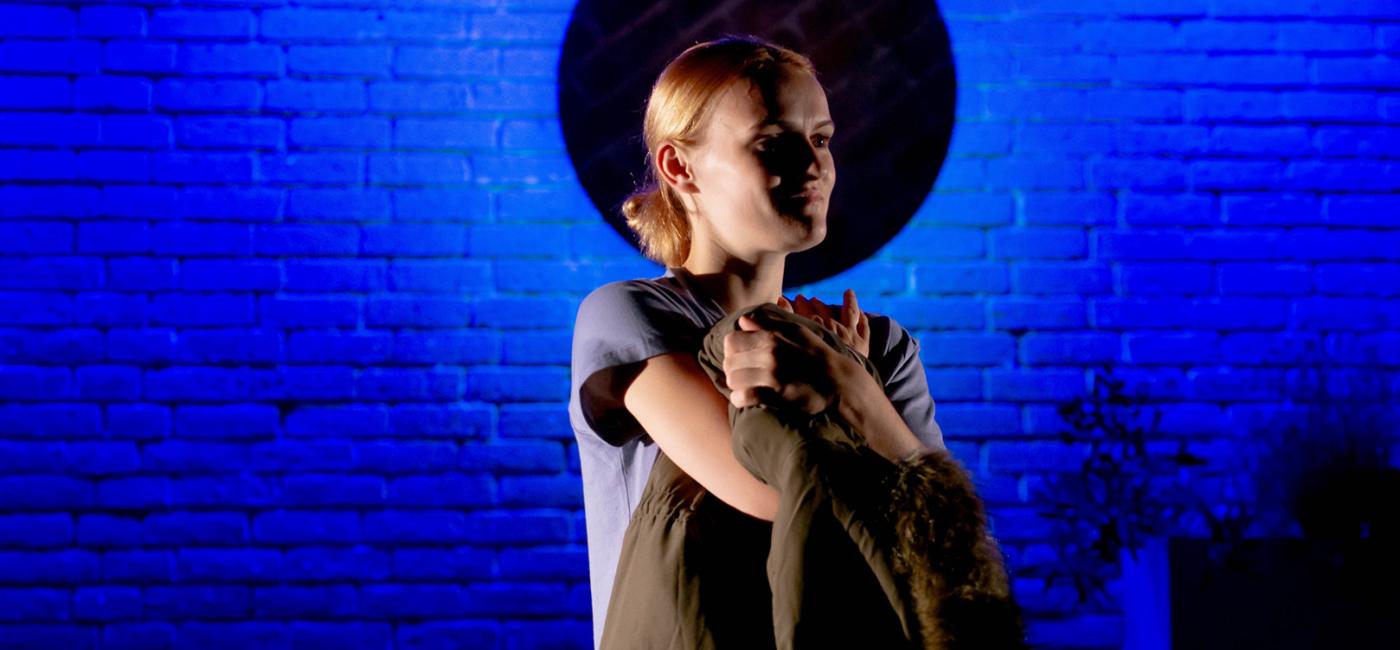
886, 65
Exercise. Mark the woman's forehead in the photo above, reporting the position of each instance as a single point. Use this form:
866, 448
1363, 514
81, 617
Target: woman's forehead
793, 100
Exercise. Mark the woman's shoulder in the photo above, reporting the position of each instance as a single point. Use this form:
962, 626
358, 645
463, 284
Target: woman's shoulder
886, 332
633, 298
892, 346
642, 315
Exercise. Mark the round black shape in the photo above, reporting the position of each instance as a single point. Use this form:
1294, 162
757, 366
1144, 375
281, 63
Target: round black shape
887, 68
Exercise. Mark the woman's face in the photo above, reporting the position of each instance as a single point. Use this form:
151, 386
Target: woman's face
763, 172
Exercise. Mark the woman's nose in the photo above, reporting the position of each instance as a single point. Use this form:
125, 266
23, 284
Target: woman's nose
815, 169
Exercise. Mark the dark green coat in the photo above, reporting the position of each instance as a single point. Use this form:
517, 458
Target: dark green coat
862, 553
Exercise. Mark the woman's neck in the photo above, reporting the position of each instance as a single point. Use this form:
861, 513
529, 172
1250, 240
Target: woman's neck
736, 283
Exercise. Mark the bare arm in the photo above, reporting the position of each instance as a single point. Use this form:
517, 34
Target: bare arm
677, 404
865, 406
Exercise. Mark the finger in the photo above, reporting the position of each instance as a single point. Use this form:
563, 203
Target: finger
848, 335
746, 342
833, 325
748, 324
832, 311
851, 309
863, 327
783, 302
761, 356
803, 306
830, 326
806, 337
750, 379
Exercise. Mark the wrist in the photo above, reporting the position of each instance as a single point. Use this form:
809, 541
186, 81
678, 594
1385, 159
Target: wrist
862, 403
853, 387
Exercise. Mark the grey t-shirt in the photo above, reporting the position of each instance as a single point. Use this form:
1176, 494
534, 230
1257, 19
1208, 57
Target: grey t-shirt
624, 322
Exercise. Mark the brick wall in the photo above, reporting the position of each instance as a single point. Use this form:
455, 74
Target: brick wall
286, 291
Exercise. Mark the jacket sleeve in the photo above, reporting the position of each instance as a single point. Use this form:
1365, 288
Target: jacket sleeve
918, 525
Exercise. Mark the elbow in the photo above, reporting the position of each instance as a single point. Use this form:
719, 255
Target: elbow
761, 504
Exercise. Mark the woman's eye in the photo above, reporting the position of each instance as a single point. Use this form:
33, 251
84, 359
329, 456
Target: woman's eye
823, 141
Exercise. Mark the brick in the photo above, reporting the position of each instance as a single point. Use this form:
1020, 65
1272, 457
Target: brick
1360, 210
1069, 349
114, 21
354, 132
1168, 209
296, 96
1356, 141
419, 97
440, 276
331, 601
230, 133
1162, 139
1167, 278
454, 205
348, 60
1264, 279
415, 240
321, 25
42, 22
433, 133
961, 278
1358, 279
106, 603
37, 604
203, 23
43, 92
1137, 173
515, 97
317, 276
230, 59
1029, 243
447, 490
1172, 348
1057, 277
445, 61
213, 601
519, 29
306, 527
1236, 175
71, 57
529, 62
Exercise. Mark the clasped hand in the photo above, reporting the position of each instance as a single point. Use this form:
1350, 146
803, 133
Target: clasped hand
763, 365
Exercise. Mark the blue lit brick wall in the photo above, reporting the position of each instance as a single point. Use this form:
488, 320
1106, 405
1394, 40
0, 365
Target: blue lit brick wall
1200, 192
286, 291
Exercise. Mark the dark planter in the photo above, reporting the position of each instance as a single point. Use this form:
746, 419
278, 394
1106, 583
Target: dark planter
1284, 594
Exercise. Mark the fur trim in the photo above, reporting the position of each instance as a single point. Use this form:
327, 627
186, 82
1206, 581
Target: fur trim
952, 568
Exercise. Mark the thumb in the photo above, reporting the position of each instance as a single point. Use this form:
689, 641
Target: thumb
748, 324
785, 304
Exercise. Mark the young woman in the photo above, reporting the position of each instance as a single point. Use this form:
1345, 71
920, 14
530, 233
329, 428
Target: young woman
737, 132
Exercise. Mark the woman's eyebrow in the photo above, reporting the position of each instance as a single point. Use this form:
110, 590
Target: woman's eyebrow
788, 125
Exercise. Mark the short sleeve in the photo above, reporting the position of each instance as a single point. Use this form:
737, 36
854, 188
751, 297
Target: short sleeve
620, 324
905, 382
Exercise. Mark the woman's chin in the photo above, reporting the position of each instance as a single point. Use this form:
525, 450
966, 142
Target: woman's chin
813, 233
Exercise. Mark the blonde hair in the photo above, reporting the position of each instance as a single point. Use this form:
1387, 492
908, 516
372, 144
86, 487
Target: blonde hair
680, 101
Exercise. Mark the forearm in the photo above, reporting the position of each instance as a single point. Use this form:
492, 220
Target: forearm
863, 404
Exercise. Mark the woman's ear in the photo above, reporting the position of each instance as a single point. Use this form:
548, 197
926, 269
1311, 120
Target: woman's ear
674, 168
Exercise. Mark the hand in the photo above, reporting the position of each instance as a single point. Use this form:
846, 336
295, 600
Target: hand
761, 365
850, 324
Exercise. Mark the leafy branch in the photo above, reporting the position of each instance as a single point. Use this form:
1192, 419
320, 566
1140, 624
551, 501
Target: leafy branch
1128, 488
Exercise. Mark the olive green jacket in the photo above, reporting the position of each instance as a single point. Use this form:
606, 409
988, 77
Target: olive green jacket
862, 552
